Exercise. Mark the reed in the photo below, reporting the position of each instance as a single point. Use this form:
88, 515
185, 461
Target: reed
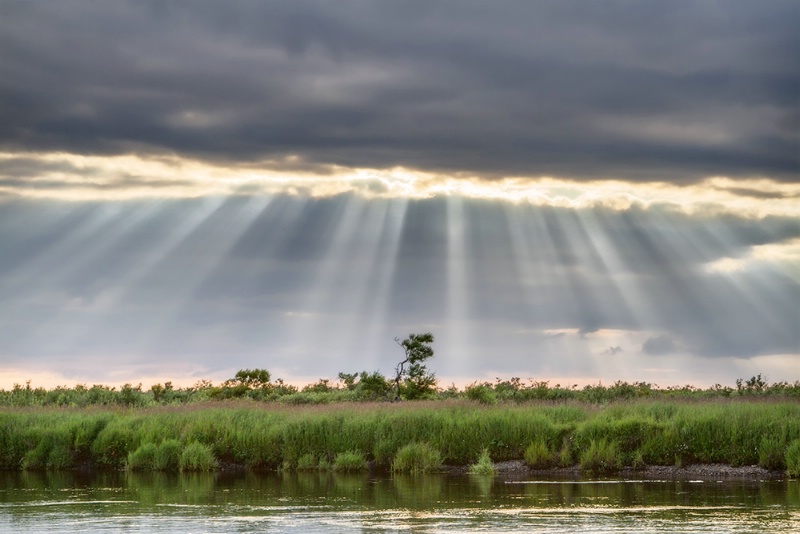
483, 466
793, 459
350, 461
262, 436
197, 457
417, 458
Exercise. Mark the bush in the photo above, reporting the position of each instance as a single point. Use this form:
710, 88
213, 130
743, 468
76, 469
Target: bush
539, 456
417, 458
307, 462
482, 393
484, 466
197, 457
793, 459
143, 458
168, 455
110, 448
350, 461
601, 457
771, 453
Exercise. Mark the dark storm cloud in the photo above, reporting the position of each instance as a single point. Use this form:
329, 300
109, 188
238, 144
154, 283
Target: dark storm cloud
642, 90
658, 345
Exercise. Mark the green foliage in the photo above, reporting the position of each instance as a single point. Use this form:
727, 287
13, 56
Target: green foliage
482, 393
251, 378
417, 382
264, 437
143, 458
539, 456
168, 455
414, 383
772, 453
110, 449
484, 466
417, 458
373, 386
197, 457
307, 462
602, 457
793, 459
350, 461
322, 386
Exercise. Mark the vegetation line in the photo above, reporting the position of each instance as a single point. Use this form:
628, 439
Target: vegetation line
407, 437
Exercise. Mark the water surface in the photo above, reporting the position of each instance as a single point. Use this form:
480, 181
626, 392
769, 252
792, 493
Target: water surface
326, 503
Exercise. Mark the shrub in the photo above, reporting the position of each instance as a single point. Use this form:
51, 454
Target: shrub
539, 456
565, 458
307, 462
168, 455
771, 453
143, 458
601, 457
110, 448
52, 451
197, 457
417, 458
482, 393
350, 461
484, 466
793, 459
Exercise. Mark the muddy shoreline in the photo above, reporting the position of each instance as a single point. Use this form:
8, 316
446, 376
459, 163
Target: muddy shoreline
518, 469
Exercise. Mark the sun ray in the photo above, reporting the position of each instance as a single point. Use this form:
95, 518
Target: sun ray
456, 335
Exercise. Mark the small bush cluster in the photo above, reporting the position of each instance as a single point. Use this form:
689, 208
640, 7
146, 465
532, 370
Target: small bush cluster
417, 458
483, 466
257, 385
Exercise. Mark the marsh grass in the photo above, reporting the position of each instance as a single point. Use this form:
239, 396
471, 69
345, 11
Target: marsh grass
267, 436
168, 455
793, 459
417, 458
483, 466
539, 456
602, 457
143, 458
307, 462
350, 461
197, 457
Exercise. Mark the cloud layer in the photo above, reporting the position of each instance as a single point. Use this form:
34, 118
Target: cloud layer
667, 90
566, 189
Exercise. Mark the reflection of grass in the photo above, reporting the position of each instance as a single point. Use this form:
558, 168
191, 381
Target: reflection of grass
264, 437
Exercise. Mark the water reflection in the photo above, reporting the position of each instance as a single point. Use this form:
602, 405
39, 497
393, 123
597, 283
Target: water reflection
327, 502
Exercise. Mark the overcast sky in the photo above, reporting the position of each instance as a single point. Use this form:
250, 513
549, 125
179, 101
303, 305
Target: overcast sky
565, 191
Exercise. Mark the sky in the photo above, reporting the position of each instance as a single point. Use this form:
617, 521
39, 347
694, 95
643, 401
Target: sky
564, 191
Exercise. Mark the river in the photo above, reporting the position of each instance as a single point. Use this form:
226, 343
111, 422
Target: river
329, 503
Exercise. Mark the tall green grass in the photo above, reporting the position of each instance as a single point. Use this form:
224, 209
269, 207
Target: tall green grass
267, 437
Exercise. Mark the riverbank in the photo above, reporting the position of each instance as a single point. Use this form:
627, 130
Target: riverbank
651, 437
519, 469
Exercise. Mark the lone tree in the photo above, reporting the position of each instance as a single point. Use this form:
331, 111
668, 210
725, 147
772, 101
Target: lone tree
418, 381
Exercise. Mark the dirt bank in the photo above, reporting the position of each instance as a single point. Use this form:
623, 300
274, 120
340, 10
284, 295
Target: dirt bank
519, 469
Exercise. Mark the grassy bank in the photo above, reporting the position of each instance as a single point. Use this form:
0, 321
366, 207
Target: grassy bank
350, 436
